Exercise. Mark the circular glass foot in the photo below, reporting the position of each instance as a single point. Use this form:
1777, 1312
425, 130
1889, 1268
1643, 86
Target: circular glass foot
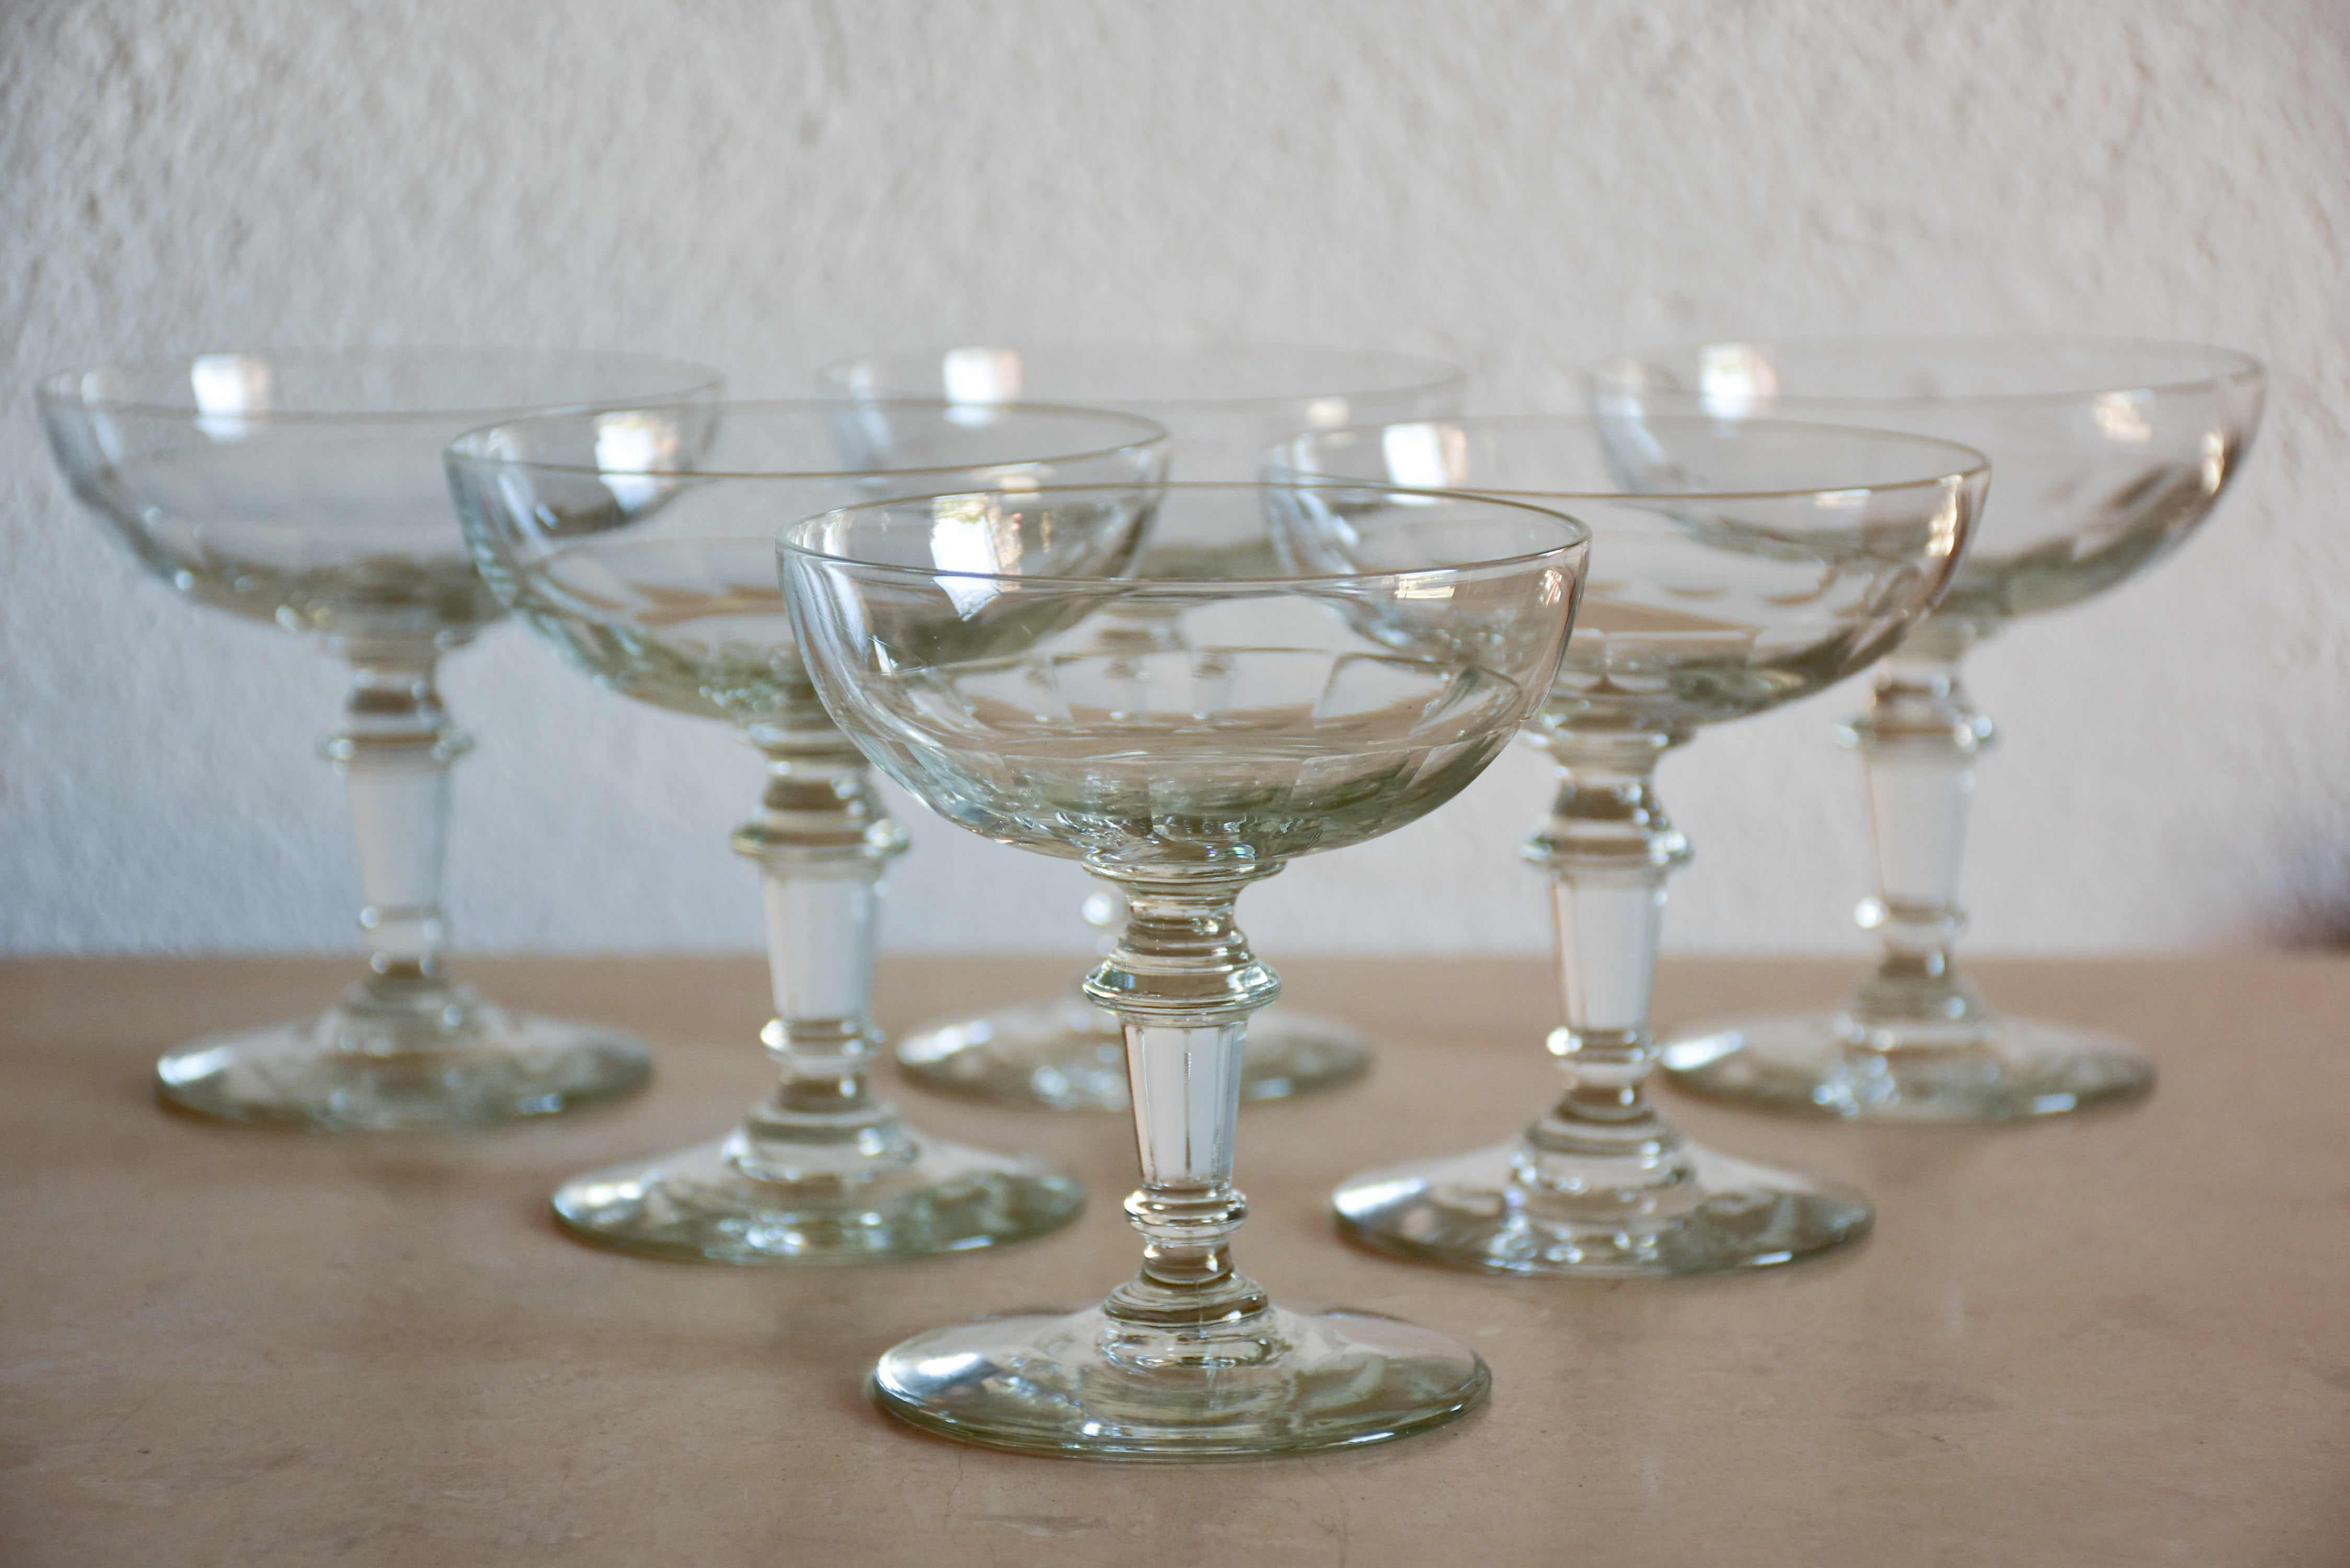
1810, 1062
1069, 1056
1513, 1210
310, 1075
699, 1203
1273, 1382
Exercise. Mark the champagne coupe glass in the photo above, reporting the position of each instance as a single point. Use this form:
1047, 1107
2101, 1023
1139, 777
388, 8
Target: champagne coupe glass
1275, 714
2107, 454
1733, 568
640, 544
305, 490
1222, 405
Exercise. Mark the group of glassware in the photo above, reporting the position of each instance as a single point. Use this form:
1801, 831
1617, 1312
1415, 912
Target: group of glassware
1181, 616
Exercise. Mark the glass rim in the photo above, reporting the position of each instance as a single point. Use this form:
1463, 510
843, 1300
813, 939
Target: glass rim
457, 451
1578, 532
1977, 463
1417, 372
65, 386
2232, 365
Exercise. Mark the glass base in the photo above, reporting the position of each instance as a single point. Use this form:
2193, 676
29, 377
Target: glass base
1810, 1062
1070, 1055
1273, 1382
1514, 1209
700, 1204
315, 1075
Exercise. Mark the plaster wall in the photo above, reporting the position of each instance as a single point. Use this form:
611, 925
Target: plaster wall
767, 185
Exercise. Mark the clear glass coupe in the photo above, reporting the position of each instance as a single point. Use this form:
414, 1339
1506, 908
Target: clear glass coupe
1734, 569
640, 544
1273, 710
305, 490
2106, 455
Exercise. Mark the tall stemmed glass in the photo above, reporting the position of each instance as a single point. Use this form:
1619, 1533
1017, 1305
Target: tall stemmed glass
1275, 715
640, 544
1222, 405
2106, 455
306, 489
1733, 568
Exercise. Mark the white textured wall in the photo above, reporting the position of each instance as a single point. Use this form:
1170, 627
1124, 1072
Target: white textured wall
768, 184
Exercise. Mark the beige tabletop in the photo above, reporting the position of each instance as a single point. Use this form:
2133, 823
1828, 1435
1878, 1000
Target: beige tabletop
2123, 1338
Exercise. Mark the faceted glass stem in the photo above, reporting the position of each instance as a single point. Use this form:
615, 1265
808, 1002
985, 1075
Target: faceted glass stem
405, 1049
1918, 740
1602, 1184
822, 841
1609, 848
1915, 1041
823, 1170
1182, 981
394, 748
1068, 1054
1188, 1359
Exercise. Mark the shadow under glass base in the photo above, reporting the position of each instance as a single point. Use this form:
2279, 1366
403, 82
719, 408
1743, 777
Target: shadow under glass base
1811, 1062
346, 1071
1513, 1210
700, 1204
1273, 1382
1070, 1055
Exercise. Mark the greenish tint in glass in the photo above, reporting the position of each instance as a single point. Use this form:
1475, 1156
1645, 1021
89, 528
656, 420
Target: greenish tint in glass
305, 490
2106, 455
639, 544
1222, 405
1184, 734
1734, 569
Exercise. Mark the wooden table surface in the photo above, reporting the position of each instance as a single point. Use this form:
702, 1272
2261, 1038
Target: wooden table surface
2120, 1338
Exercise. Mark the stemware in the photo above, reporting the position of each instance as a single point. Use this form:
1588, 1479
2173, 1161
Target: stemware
640, 544
1733, 568
1222, 405
1271, 715
2107, 454
306, 489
